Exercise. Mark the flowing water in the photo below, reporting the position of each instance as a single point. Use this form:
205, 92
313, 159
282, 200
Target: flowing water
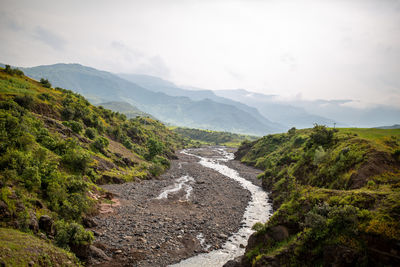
258, 210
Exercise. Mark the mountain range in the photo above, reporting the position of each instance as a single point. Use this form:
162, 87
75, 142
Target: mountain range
233, 110
100, 86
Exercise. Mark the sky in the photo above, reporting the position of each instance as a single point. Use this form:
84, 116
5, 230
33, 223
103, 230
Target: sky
304, 49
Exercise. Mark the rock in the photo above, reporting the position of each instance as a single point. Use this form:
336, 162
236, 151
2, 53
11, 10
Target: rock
97, 253
39, 204
4, 212
236, 262
223, 236
33, 223
88, 222
46, 224
80, 250
278, 233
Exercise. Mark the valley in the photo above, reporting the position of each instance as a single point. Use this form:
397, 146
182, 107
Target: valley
193, 208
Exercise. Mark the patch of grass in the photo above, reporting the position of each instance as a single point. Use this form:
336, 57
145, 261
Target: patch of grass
19, 249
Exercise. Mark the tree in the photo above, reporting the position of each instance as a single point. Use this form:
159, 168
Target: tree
45, 83
155, 147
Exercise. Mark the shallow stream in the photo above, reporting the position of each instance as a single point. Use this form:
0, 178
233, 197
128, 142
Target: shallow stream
258, 210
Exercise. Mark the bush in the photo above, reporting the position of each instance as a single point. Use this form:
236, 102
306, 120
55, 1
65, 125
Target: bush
75, 126
45, 96
12, 71
100, 143
76, 160
45, 83
321, 135
25, 101
68, 234
154, 148
90, 133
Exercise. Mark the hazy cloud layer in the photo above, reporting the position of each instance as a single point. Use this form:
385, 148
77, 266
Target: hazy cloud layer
325, 49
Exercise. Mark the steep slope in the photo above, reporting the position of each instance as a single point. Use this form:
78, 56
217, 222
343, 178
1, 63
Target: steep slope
337, 195
56, 147
100, 86
159, 85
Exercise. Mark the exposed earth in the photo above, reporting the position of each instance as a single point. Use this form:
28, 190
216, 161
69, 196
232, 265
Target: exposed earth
186, 211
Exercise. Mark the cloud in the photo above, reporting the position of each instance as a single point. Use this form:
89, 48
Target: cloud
139, 62
49, 38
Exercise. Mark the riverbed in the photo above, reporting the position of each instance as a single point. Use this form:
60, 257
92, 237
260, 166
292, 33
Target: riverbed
199, 213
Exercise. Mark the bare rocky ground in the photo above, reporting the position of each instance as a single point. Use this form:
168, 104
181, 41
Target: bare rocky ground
141, 230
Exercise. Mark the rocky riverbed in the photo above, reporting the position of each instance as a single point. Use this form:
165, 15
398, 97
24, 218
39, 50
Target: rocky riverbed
191, 209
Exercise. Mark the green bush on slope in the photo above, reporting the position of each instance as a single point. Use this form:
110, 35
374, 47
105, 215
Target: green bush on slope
334, 192
54, 146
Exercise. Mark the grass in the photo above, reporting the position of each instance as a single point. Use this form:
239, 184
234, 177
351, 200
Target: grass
19, 249
371, 133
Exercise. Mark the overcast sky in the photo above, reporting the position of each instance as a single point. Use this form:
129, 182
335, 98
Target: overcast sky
329, 49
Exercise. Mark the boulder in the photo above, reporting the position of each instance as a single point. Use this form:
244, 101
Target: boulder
88, 222
46, 224
236, 262
4, 211
98, 254
278, 233
33, 223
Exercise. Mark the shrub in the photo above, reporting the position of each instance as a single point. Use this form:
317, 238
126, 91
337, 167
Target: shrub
45, 83
319, 155
12, 71
292, 131
75, 126
45, 96
68, 234
321, 135
100, 143
76, 159
154, 148
25, 101
90, 133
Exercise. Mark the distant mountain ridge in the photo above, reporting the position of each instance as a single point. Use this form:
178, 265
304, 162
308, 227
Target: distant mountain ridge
157, 84
100, 86
303, 113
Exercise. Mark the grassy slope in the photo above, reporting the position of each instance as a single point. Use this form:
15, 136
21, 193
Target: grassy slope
56, 146
19, 249
197, 137
337, 198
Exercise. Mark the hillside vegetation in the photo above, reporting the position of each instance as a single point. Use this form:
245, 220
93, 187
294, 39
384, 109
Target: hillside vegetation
197, 137
336, 195
55, 147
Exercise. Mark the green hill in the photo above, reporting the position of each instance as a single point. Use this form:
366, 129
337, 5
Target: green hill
197, 137
55, 147
336, 194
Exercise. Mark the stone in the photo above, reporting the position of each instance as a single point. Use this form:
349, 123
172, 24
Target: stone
88, 222
279, 233
46, 224
97, 253
33, 223
4, 212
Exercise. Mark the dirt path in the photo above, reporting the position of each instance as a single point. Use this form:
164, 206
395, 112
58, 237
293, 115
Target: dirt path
188, 210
